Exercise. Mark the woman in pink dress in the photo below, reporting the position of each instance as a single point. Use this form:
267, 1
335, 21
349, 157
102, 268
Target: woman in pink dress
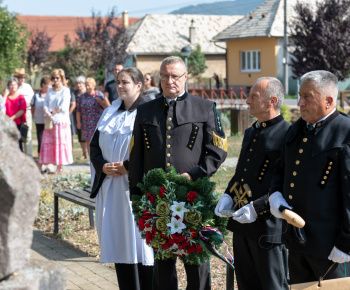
56, 146
15, 105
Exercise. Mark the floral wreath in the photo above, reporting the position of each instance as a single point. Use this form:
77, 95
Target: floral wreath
171, 213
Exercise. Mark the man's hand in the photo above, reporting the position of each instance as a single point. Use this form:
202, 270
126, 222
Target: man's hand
245, 214
120, 167
225, 203
337, 256
276, 200
188, 176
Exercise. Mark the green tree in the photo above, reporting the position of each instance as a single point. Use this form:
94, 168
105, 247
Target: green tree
196, 61
13, 42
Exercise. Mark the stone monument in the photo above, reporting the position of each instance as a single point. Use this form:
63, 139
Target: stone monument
19, 200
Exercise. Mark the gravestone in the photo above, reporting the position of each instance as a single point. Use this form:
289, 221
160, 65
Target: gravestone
19, 200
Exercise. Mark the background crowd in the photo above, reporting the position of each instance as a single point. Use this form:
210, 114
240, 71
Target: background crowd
59, 112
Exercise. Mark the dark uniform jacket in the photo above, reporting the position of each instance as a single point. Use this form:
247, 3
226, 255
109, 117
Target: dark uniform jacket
96, 155
314, 178
181, 134
261, 148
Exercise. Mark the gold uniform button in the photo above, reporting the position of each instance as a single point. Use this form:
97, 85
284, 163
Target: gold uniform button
254, 140
319, 125
147, 143
195, 132
242, 179
265, 165
196, 128
169, 119
168, 137
331, 163
245, 169
290, 196
301, 151
147, 147
297, 162
260, 178
263, 169
262, 173
168, 155
169, 128
250, 149
145, 134
267, 161
329, 167
324, 177
264, 125
248, 160
146, 138
305, 140
190, 146
144, 129
168, 146
294, 173
323, 182
327, 172
168, 165
292, 184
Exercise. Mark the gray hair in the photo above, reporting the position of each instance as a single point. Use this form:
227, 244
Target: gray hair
11, 80
171, 60
80, 79
274, 88
322, 79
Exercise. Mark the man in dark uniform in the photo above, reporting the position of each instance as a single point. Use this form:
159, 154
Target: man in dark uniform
183, 131
260, 257
313, 179
111, 86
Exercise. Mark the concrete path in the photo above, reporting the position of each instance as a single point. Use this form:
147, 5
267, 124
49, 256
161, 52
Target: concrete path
83, 272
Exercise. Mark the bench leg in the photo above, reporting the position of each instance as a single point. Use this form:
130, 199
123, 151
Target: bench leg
55, 230
230, 278
91, 218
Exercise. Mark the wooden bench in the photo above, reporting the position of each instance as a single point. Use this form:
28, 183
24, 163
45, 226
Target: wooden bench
77, 196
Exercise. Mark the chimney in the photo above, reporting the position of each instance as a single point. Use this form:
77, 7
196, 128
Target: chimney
192, 33
125, 18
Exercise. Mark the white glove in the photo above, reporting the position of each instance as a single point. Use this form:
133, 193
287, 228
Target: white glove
338, 256
225, 203
245, 214
276, 200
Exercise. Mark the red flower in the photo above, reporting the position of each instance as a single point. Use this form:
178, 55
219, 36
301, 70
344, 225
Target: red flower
161, 192
193, 233
191, 196
191, 249
151, 198
141, 224
165, 246
199, 248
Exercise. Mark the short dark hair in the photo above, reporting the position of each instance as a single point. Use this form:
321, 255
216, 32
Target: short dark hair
44, 81
136, 76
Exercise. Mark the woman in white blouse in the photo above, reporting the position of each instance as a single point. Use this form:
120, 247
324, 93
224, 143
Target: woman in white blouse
56, 146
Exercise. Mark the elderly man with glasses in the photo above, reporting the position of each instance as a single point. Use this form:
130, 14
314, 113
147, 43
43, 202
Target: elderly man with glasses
183, 131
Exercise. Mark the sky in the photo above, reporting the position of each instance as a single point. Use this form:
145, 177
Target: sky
135, 8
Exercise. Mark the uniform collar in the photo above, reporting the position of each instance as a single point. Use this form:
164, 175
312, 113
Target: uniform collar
134, 106
268, 123
177, 99
324, 120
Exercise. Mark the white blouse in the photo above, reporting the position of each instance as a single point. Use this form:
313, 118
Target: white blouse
60, 99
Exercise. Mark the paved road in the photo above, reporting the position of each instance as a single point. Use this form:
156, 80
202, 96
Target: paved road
83, 272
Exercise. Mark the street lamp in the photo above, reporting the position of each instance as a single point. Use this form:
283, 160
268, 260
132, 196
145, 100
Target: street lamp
186, 52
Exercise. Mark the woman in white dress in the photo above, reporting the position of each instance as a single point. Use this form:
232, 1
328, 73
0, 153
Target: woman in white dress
119, 238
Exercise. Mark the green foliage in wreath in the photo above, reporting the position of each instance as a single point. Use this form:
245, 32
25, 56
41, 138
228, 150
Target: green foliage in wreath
152, 214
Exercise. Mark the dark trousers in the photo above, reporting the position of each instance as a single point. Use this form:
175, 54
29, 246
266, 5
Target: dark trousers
39, 134
259, 265
304, 268
20, 141
134, 276
165, 277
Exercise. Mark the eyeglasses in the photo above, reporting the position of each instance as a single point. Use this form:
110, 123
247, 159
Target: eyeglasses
146, 79
173, 78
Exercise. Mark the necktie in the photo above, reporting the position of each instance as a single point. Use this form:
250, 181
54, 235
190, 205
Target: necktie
310, 127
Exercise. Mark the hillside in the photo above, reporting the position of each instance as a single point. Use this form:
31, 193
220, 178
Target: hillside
232, 7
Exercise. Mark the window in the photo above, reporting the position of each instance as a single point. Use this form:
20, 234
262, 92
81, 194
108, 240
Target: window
250, 61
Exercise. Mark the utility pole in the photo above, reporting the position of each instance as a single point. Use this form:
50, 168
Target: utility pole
285, 51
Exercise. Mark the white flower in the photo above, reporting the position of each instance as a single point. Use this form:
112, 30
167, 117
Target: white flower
176, 225
180, 252
179, 209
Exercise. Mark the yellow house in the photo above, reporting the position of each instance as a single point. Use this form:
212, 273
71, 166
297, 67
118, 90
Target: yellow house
255, 45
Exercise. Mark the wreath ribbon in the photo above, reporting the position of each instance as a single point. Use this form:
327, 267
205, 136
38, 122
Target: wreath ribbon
210, 235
